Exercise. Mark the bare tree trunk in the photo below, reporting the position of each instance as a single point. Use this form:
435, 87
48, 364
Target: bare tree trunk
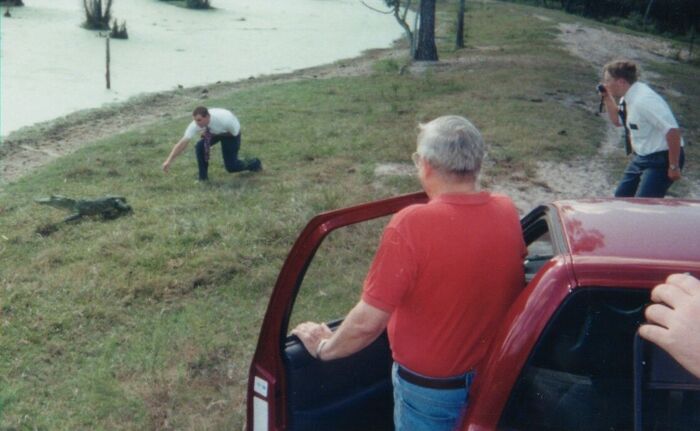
692, 42
646, 14
459, 38
401, 19
426, 50
109, 84
414, 41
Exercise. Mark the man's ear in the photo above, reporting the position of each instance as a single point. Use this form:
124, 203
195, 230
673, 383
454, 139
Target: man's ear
428, 170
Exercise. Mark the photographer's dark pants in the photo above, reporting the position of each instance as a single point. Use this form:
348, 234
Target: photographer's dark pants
229, 150
647, 176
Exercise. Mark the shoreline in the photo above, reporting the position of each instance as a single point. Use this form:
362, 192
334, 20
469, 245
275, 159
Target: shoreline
169, 47
34, 146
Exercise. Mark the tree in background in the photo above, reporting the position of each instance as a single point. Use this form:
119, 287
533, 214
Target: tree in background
459, 37
426, 49
673, 17
423, 46
400, 16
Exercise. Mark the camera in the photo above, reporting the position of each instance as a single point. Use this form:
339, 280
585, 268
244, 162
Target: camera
602, 91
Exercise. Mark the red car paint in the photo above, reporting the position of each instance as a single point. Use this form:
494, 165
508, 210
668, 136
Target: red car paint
598, 243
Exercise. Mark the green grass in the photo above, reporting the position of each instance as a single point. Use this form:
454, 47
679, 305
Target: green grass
149, 321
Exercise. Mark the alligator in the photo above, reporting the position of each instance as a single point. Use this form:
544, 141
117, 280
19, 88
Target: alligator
107, 207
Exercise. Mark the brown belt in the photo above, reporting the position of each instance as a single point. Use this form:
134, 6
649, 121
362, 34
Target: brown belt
432, 383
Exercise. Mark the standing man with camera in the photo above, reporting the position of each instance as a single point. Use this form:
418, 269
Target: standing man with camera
652, 134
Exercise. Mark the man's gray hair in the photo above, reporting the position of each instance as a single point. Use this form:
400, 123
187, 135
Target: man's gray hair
452, 145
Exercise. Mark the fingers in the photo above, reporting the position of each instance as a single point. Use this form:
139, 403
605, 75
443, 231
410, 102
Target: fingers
311, 334
302, 329
326, 330
305, 333
659, 314
687, 282
672, 295
655, 334
310, 331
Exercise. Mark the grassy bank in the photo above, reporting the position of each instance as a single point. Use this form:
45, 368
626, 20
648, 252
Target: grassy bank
149, 321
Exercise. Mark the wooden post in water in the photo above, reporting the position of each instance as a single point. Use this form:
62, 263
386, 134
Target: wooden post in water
107, 73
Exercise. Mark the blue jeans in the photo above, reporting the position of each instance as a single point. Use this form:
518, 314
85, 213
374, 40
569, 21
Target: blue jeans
423, 409
229, 150
647, 176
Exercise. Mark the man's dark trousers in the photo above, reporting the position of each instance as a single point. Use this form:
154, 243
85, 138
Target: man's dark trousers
229, 150
647, 176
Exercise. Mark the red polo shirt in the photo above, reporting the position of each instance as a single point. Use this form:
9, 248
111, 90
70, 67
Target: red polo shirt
447, 271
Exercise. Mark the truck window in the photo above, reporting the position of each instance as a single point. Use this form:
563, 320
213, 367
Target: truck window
667, 397
333, 282
539, 247
580, 373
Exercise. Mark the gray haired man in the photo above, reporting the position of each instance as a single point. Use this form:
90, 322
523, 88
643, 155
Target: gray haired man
427, 285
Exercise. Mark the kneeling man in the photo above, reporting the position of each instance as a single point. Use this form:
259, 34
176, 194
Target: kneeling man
215, 125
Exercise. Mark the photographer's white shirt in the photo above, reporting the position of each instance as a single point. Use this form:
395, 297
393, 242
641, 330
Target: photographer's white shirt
649, 118
221, 121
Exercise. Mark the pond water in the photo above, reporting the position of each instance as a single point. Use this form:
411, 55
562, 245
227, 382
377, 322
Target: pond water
50, 66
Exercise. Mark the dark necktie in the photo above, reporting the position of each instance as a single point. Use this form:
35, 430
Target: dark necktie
622, 112
207, 143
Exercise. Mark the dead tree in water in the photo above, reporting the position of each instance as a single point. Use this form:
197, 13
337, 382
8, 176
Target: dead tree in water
97, 17
8, 5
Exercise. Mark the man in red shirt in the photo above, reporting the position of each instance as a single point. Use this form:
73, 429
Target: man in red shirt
444, 274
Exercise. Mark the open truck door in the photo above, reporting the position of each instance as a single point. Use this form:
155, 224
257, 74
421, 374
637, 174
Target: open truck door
289, 389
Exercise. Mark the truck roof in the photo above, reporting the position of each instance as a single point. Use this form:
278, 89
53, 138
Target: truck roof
632, 233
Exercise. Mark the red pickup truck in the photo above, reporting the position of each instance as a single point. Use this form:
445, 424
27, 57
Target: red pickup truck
566, 355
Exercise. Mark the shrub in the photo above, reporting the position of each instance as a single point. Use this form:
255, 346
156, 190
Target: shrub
198, 4
119, 31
